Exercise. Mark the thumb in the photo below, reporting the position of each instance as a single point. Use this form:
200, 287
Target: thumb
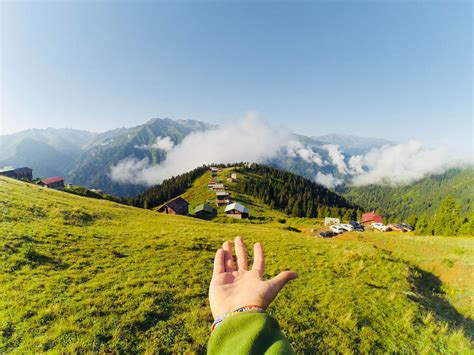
279, 281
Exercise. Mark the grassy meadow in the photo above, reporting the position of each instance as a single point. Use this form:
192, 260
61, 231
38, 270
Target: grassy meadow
87, 275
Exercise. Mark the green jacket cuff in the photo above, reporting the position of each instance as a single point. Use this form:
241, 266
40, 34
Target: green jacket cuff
248, 333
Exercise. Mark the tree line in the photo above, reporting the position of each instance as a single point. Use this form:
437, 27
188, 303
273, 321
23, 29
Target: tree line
447, 220
171, 188
168, 189
293, 194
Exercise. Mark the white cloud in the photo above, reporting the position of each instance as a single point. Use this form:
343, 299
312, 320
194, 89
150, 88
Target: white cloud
163, 143
249, 139
128, 170
337, 157
356, 164
402, 164
297, 149
327, 180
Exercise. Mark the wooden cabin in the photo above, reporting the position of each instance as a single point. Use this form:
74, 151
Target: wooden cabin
210, 184
177, 206
371, 217
23, 173
222, 198
236, 210
56, 183
205, 211
218, 187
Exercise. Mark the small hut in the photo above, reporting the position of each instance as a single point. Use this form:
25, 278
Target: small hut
177, 206
236, 210
24, 173
218, 187
56, 183
371, 217
205, 211
222, 198
210, 184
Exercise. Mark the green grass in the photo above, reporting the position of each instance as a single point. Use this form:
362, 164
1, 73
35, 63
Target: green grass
82, 275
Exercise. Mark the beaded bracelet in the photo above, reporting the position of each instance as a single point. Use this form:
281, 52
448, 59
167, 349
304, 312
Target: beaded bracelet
239, 310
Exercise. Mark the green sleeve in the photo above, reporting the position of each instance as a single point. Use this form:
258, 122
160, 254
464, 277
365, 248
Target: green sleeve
248, 333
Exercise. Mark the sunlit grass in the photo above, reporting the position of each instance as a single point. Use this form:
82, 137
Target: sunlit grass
81, 275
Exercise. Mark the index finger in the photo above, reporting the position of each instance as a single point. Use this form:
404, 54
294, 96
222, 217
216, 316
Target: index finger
219, 262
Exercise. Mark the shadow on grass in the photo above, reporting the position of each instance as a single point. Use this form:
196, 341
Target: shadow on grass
35, 259
244, 200
431, 297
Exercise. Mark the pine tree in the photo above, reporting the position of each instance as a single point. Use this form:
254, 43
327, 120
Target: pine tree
467, 227
447, 218
411, 220
310, 209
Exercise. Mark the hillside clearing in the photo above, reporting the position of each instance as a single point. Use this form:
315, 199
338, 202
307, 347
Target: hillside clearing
82, 275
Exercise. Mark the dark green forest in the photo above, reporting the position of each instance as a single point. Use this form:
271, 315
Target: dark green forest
436, 205
424, 196
447, 220
167, 190
293, 194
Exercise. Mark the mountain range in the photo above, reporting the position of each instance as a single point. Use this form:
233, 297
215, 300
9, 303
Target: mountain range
85, 158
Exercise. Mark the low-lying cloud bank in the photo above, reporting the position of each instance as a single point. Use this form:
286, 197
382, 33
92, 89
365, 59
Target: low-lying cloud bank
252, 140
328, 180
249, 139
402, 164
297, 149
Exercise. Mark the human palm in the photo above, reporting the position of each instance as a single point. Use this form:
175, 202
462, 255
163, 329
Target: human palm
235, 287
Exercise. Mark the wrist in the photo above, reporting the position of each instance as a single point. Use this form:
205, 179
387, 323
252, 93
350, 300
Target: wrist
219, 319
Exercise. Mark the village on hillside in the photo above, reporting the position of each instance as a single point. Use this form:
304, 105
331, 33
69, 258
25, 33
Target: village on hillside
205, 210
231, 207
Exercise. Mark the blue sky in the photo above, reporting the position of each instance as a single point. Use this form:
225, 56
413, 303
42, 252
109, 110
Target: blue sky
393, 69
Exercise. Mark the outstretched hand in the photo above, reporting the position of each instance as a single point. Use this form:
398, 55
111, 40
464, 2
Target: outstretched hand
234, 286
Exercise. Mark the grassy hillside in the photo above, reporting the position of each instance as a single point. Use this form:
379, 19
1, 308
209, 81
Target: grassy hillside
199, 193
267, 191
82, 275
424, 196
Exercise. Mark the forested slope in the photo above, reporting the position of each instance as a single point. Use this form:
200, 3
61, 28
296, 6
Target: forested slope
293, 194
277, 189
422, 197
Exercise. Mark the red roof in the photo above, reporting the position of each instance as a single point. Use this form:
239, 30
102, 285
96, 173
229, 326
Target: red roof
371, 216
52, 180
